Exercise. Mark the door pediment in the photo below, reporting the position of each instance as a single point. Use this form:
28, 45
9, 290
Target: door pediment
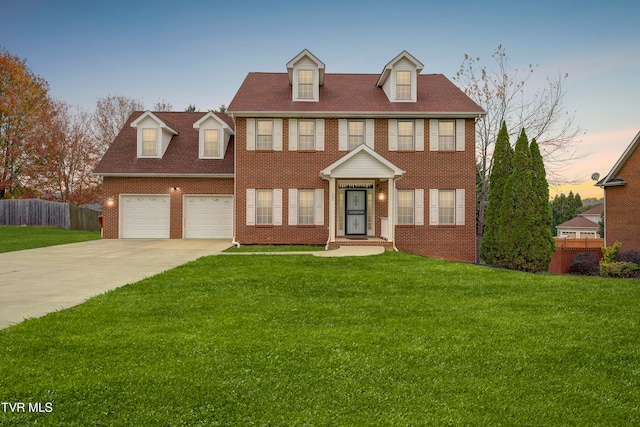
362, 162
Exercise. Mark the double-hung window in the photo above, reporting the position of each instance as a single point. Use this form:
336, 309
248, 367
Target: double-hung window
305, 84
405, 207
446, 135
306, 207
403, 85
405, 134
446, 207
211, 142
149, 142
264, 207
264, 137
306, 134
356, 133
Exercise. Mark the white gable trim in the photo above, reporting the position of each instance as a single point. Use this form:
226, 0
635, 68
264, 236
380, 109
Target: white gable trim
161, 124
384, 168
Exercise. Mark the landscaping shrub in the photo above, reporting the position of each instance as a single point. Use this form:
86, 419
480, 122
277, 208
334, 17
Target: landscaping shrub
609, 255
620, 269
629, 256
586, 263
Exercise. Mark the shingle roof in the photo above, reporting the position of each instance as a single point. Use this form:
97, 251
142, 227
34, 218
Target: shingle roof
351, 93
596, 210
578, 222
181, 156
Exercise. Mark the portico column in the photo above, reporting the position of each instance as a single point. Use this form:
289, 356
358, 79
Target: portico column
391, 200
332, 210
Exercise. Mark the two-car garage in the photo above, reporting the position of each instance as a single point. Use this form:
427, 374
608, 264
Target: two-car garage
203, 216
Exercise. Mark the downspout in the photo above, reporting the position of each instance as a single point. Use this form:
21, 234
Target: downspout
235, 183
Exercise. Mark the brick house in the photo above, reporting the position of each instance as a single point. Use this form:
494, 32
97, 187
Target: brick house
622, 199
320, 158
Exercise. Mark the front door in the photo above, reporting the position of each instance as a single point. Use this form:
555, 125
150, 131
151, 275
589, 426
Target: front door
356, 212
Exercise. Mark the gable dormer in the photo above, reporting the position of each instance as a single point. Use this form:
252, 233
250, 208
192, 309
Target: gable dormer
306, 75
154, 135
399, 78
213, 136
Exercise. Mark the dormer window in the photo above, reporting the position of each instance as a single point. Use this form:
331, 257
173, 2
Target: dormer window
305, 83
214, 135
211, 143
306, 76
150, 142
403, 85
399, 78
154, 135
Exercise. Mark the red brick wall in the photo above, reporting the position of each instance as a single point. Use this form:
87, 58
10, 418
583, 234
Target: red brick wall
114, 186
622, 216
424, 170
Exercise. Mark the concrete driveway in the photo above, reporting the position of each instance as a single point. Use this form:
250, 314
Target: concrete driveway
35, 282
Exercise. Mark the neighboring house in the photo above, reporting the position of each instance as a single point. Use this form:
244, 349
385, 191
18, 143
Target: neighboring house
320, 158
622, 199
583, 226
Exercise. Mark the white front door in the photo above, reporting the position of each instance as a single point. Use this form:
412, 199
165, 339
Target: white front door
208, 217
356, 212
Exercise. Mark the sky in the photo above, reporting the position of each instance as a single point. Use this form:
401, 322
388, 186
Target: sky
199, 52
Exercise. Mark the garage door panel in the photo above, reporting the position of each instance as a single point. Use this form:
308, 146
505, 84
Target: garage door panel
208, 217
145, 217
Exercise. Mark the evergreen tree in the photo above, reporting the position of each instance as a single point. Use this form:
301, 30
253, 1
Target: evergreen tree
519, 236
543, 244
490, 248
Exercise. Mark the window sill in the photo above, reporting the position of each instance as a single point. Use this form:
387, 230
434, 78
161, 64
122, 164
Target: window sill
306, 226
447, 225
405, 225
264, 225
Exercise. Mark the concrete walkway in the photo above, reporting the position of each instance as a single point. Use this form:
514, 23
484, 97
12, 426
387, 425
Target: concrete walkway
35, 282
340, 252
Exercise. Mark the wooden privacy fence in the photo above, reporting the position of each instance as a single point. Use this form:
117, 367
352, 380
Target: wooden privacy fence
45, 213
566, 249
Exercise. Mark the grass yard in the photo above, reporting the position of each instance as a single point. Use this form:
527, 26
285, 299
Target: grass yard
275, 248
387, 340
15, 238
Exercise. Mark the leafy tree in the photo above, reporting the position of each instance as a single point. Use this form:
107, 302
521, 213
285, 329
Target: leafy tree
111, 114
24, 104
501, 171
543, 245
190, 109
65, 156
503, 92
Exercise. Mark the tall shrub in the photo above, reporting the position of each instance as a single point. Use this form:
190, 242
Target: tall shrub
542, 244
500, 173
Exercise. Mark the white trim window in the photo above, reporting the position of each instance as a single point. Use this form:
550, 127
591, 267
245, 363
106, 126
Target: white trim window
211, 143
305, 84
264, 134
264, 207
356, 133
306, 134
403, 84
405, 207
405, 135
447, 207
446, 135
306, 207
149, 142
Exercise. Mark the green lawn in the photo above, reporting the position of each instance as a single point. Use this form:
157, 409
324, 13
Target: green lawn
14, 238
386, 340
275, 248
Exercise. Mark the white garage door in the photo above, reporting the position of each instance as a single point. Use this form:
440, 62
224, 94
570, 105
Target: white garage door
208, 217
145, 217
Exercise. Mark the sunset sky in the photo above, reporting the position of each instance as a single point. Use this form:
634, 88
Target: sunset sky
199, 52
